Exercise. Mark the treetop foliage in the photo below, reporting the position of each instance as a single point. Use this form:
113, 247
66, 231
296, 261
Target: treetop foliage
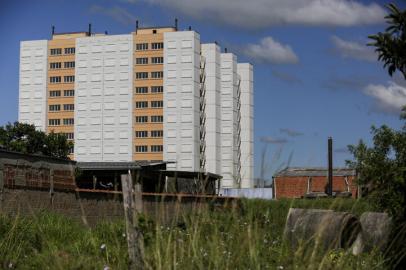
24, 138
391, 44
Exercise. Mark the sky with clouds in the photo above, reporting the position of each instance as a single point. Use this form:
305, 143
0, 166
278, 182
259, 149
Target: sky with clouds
314, 75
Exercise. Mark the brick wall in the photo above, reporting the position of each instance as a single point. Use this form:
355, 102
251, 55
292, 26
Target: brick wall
296, 186
30, 183
93, 207
21, 170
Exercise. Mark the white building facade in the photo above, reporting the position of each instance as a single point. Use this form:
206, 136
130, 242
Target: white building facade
207, 102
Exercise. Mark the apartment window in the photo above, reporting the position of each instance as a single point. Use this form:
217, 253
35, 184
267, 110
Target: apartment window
157, 133
141, 46
157, 89
54, 108
141, 119
68, 79
68, 107
54, 122
141, 75
55, 79
69, 64
71, 150
141, 104
141, 134
69, 50
157, 60
68, 93
55, 93
68, 121
157, 118
157, 104
141, 90
141, 148
55, 65
56, 51
157, 148
157, 74
141, 61
157, 45
68, 136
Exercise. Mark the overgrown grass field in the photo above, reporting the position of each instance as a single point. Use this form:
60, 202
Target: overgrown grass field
248, 237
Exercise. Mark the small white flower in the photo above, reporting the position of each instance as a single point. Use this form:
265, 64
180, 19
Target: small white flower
124, 235
103, 247
280, 267
106, 267
10, 265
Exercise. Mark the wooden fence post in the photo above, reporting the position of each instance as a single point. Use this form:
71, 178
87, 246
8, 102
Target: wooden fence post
134, 236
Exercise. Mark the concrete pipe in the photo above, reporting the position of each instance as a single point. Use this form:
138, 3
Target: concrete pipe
375, 232
324, 229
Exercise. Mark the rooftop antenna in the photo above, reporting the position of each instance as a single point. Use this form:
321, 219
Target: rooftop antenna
89, 33
105, 32
190, 28
176, 24
53, 30
136, 26
225, 50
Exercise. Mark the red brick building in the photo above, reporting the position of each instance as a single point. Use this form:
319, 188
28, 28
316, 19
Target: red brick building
294, 182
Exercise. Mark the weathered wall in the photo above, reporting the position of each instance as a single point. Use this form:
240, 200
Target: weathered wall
296, 186
20, 170
93, 207
30, 183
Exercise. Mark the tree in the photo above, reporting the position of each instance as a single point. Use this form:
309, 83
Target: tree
26, 139
382, 168
391, 44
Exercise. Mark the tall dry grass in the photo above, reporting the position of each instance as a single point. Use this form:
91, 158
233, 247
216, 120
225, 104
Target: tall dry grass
246, 237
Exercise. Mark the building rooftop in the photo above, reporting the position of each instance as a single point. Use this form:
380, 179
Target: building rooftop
68, 35
313, 171
131, 165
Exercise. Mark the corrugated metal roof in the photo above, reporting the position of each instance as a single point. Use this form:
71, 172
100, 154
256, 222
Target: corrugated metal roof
314, 171
131, 165
39, 156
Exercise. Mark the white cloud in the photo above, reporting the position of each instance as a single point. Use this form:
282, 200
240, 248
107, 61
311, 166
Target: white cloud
119, 14
265, 13
351, 49
390, 98
271, 51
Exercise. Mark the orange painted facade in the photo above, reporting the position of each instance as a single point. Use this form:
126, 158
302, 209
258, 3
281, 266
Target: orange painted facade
148, 36
60, 93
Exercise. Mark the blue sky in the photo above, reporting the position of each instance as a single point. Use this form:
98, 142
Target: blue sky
314, 76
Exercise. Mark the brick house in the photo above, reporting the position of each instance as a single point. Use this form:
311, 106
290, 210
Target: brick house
293, 182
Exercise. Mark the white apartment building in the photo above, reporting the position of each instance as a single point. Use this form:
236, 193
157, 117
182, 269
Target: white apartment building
156, 94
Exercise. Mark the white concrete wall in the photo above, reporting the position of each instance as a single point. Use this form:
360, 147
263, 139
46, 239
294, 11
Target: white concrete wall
245, 70
228, 111
32, 105
103, 101
211, 53
181, 100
